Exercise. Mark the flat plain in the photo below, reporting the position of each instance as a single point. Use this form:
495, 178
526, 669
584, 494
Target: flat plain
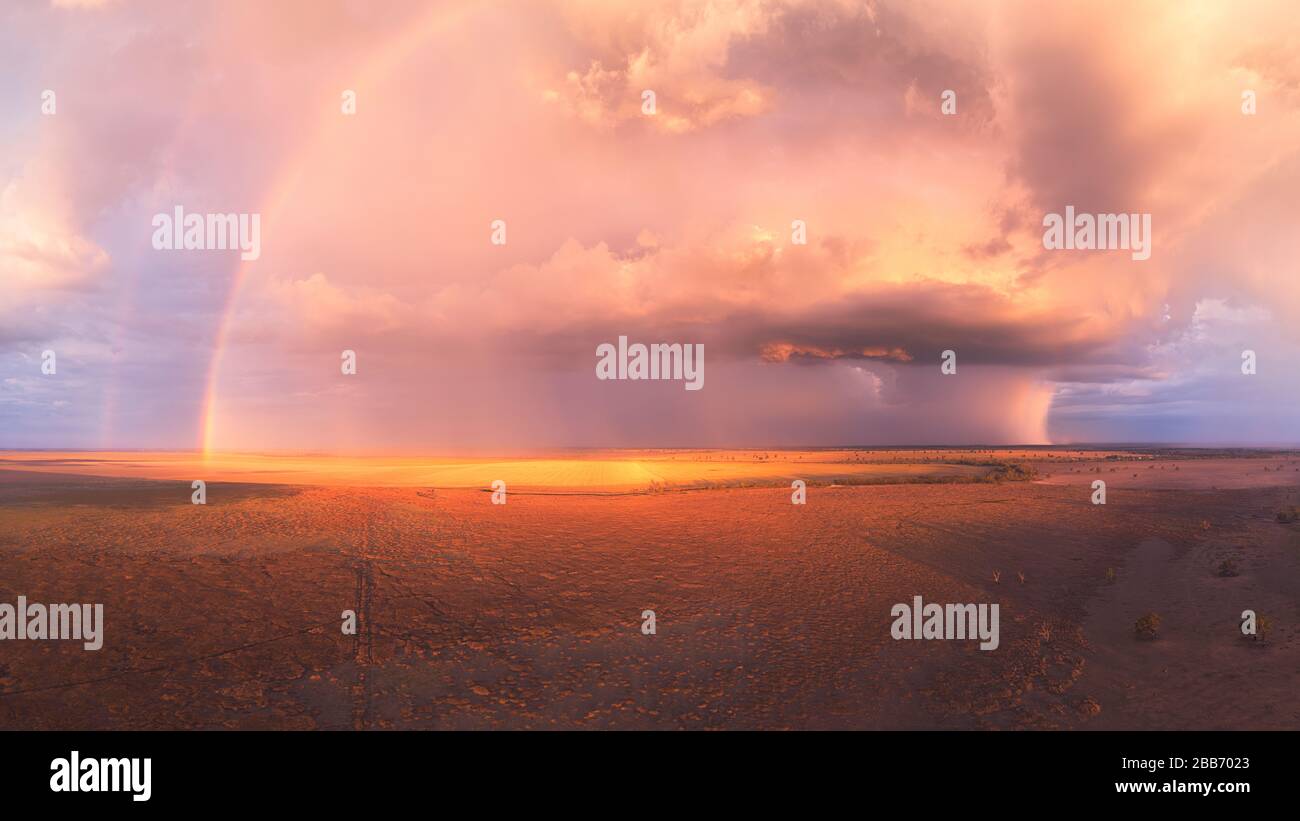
768, 614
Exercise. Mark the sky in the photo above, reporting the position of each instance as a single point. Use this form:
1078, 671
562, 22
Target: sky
924, 229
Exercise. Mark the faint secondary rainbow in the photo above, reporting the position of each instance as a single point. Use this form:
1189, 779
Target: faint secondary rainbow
392, 53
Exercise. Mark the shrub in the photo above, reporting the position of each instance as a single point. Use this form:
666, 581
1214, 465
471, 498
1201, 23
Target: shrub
1263, 625
1148, 626
1011, 473
1228, 568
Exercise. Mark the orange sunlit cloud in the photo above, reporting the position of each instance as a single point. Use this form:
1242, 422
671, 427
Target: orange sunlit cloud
924, 230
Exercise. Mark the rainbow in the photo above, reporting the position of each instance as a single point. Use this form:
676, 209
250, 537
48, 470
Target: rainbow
389, 57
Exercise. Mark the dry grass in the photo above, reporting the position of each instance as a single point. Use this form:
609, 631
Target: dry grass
526, 615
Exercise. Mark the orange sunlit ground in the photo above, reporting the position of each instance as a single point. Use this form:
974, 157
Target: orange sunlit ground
770, 615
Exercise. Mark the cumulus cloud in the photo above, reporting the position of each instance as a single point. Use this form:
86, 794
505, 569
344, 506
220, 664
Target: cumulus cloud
924, 230
678, 51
